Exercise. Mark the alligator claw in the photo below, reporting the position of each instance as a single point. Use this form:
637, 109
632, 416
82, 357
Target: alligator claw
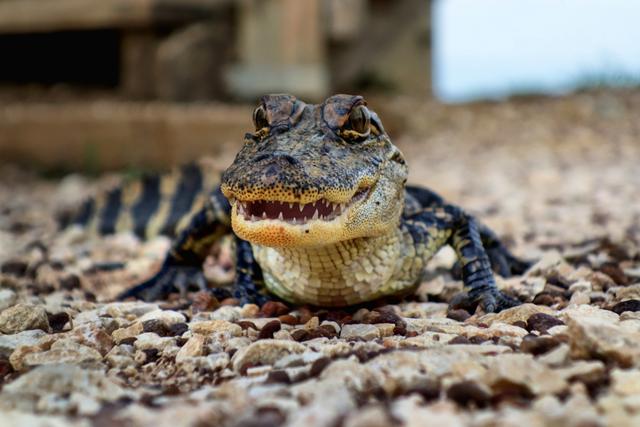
491, 301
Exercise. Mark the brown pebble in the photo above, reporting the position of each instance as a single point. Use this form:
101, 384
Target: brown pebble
301, 335
538, 345
288, 319
544, 298
305, 314
156, 326
278, 376
469, 393
5, 368
14, 268
327, 331
204, 301
70, 282
269, 329
629, 305
542, 322
152, 355
460, 339
460, 315
477, 339
429, 390
273, 309
246, 324
230, 301
318, 366
335, 316
615, 272
520, 324
178, 329
128, 341
57, 321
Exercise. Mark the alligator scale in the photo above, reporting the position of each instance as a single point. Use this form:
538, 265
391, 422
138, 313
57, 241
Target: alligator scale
318, 203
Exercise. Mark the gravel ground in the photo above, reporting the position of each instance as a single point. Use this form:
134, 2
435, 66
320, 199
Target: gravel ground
558, 178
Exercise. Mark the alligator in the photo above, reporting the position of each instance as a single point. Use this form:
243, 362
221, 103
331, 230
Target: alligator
320, 210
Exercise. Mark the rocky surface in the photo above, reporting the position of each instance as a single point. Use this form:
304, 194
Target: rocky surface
557, 178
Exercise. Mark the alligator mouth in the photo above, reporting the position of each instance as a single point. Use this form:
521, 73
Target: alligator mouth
296, 213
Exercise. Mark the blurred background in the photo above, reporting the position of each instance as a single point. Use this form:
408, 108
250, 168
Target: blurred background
89, 85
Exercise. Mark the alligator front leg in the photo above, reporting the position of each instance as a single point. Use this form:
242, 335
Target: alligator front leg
248, 282
435, 227
502, 260
182, 267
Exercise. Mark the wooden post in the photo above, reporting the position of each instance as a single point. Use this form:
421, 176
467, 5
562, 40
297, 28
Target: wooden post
281, 49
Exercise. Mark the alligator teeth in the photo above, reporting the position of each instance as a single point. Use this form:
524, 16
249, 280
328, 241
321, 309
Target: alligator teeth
293, 212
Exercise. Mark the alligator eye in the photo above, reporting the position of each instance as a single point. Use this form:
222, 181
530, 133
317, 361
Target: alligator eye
260, 118
359, 120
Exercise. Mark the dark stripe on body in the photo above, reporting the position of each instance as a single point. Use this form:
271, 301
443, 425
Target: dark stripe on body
85, 213
146, 205
110, 212
185, 193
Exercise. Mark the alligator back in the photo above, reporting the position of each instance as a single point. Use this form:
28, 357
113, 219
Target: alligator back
153, 205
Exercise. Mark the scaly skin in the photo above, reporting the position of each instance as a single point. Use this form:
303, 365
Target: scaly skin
321, 214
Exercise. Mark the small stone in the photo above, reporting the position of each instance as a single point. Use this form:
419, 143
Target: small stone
273, 309
288, 319
129, 309
156, 326
58, 321
208, 327
278, 376
269, 329
538, 345
8, 343
542, 322
628, 305
249, 311
615, 272
229, 313
204, 301
264, 352
168, 317
511, 315
523, 371
151, 341
177, 329
7, 298
63, 351
579, 298
62, 388
193, 348
331, 324
283, 335
312, 323
625, 382
593, 337
132, 331
470, 393
385, 329
93, 336
459, 315
22, 317
359, 330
